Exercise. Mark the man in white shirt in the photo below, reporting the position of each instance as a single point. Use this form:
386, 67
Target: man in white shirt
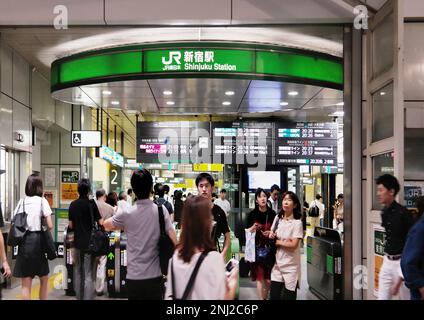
273, 199
106, 212
122, 202
315, 221
223, 203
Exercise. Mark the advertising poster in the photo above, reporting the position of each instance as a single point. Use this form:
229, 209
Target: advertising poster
62, 221
50, 177
379, 242
51, 197
69, 185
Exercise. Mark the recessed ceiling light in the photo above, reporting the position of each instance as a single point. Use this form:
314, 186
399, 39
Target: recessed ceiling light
170, 103
293, 93
337, 114
115, 103
167, 92
340, 104
107, 92
229, 93
382, 93
226, 103
283, 104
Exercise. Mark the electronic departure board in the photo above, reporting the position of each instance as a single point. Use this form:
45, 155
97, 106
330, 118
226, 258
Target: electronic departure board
242, 142
306, 143
173, 142
239, 142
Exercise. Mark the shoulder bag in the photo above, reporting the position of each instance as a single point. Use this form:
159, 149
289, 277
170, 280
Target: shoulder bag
99, 239
18, 227
190, 283
46, 236
166, 245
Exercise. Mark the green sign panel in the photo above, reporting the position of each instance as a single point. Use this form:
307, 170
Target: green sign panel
210, 59
199, 60
379, 241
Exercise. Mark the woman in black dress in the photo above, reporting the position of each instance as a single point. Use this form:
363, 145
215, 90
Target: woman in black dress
260, 220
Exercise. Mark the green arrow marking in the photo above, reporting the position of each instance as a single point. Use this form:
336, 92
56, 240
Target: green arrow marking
111, 256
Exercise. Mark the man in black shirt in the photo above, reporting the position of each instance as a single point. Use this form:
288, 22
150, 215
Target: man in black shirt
81, 222
205, 185
160, 192
396, 221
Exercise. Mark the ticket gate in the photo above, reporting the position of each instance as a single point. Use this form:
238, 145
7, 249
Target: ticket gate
116, 265
324, 264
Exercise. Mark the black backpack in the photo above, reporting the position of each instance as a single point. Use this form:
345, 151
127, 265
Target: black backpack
314, 211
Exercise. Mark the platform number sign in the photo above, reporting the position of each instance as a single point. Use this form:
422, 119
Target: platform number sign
115, 178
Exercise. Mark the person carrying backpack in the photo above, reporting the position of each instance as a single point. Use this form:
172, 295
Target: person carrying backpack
316, 213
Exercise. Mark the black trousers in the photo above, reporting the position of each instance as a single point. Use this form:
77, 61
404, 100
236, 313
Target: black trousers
277, 288
148, 289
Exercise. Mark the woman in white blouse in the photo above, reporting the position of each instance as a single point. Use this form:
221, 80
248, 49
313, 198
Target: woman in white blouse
285, 274
211, 282
31, 260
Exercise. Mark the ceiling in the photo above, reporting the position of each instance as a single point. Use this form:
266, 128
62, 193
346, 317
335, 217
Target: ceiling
40, 46
207, 96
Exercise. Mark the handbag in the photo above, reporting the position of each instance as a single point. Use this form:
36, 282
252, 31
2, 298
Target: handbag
99, 239
18, 227
166, 245
46, 237
266, 254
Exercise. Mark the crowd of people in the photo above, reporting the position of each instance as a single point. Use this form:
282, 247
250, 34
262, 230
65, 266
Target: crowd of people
197, 268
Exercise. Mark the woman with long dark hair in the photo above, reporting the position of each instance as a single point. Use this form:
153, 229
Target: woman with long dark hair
288, 233
31, 260
259, 220
196, 244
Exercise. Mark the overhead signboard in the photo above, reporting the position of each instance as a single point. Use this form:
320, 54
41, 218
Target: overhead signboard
87, 139
199, 60
240, 142
306, 143
111, 156
173, 142
214, 60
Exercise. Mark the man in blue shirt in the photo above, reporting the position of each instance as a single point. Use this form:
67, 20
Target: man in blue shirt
412, 262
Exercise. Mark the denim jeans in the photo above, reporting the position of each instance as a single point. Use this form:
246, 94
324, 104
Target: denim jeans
84, 274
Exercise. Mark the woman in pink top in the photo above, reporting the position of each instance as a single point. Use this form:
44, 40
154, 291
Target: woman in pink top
285, 274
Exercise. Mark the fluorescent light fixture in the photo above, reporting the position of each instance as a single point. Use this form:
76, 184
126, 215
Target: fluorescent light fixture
115, 103
107, 92
337, 114
287, 110
382, 93
167, 92
170, 103
229, 93
284, 103
340, 104
293, 93
226, 103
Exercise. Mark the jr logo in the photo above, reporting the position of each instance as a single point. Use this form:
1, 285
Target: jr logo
173, 55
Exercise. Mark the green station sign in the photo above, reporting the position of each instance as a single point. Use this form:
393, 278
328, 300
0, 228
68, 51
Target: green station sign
198, 59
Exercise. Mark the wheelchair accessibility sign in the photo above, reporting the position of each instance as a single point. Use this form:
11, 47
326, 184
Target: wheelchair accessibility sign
86, 139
